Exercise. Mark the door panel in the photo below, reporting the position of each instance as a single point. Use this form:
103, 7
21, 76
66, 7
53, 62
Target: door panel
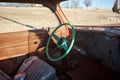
100, 46
13, 44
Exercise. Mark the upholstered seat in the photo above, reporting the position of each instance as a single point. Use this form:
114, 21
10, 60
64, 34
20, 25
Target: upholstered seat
33, 69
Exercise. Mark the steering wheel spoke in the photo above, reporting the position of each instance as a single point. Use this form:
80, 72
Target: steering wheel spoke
65, 47
56, 37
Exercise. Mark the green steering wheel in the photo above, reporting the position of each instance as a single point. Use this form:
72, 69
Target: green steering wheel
61, 43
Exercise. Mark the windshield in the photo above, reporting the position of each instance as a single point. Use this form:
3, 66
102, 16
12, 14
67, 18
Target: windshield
18, 17
92, 12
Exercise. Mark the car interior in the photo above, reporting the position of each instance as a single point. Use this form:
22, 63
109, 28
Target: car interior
66, 52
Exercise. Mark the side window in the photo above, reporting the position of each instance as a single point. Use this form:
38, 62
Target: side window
19, 17
91, 12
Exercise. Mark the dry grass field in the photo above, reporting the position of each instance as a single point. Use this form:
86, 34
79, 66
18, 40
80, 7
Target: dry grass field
18, 19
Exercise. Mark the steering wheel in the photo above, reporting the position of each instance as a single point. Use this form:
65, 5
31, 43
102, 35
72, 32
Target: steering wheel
62, 43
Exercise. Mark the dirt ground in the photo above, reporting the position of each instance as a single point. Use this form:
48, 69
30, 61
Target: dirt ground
18, 19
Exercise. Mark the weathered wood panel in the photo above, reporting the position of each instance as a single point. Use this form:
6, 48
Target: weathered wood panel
13, 44
36, 38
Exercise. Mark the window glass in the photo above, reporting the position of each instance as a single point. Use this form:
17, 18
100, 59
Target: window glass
91, 12
19, 17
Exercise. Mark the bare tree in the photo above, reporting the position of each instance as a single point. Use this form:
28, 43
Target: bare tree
88, 3
119, 4
75, 3
115, 7
67, 5
119, 7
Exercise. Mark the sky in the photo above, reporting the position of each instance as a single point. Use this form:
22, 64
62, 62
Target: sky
101, 4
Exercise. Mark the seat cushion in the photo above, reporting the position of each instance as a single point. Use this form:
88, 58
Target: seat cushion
36, 69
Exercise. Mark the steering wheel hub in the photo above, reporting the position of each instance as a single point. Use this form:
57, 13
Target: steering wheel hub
61, 42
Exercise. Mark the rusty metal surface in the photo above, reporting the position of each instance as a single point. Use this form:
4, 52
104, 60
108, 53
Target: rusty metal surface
90, 70
99, 28
33, 1
100, 45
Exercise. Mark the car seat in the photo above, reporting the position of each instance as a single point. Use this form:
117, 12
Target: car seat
32, 68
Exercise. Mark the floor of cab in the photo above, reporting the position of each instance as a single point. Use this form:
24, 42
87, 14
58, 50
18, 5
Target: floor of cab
88, 69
